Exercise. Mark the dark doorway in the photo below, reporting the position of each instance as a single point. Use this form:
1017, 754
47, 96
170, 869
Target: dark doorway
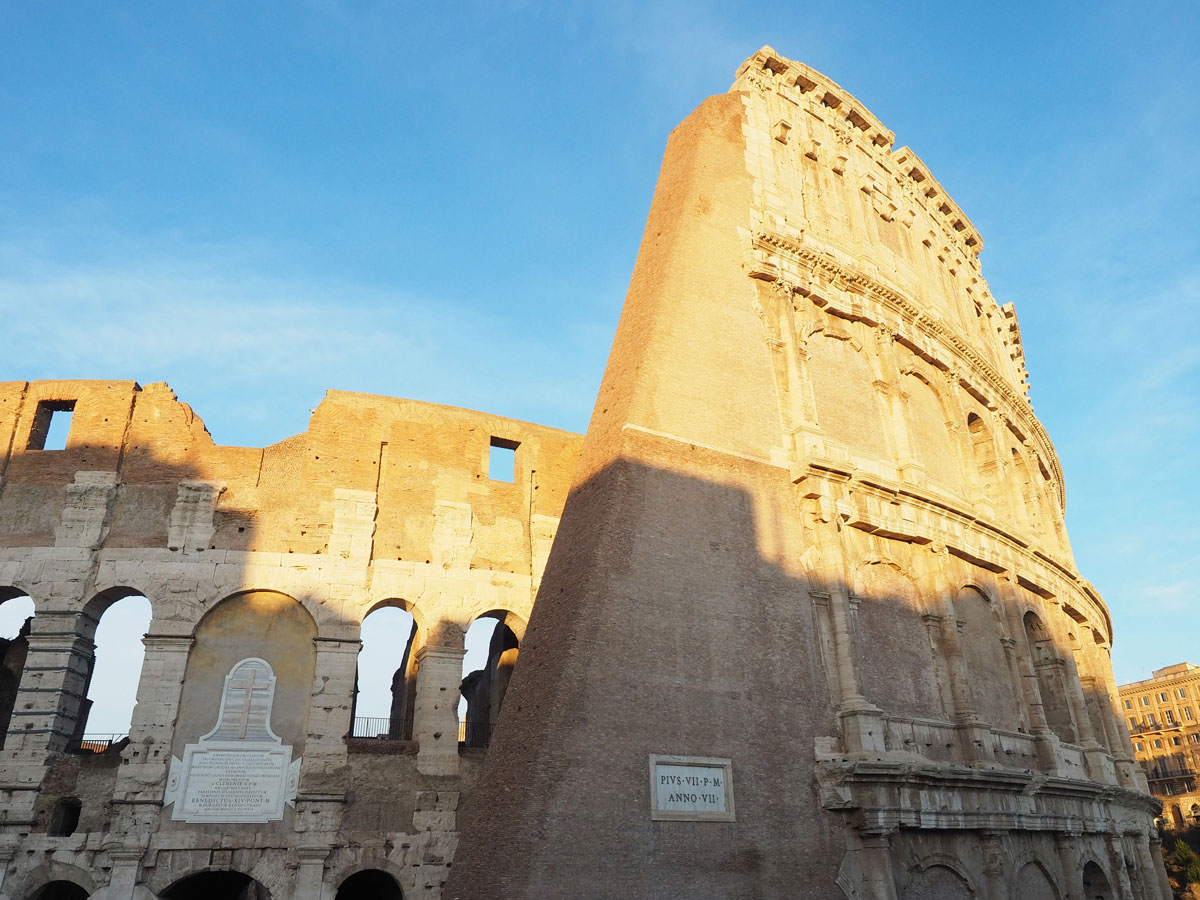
61, 890
216, 886
370, 884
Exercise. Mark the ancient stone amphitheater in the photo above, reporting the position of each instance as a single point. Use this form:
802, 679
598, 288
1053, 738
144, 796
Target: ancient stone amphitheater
807, 622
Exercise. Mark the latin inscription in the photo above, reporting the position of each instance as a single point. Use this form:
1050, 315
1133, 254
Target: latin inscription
234, 784
688, 788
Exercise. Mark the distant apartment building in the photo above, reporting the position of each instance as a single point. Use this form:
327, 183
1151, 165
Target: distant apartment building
1163, 713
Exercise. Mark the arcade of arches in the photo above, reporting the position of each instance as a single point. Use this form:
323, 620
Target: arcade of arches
813, 545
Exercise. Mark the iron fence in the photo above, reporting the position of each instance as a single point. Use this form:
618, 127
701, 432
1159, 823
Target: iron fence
96, 743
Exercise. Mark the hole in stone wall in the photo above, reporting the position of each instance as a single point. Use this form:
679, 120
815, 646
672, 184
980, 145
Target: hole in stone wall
492, 649
65, 818
115, 671
16, 618
502, 459
385, 682
51, 425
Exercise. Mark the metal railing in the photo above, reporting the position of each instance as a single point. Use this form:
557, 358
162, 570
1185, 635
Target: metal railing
96, 743
470, 734
475, 734
372, 727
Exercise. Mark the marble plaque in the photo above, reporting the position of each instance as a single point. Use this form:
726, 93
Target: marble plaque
240, 771
691, 788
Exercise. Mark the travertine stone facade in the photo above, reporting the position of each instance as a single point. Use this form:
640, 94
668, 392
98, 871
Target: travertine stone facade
817, 531
243, 552
813, 540
1163, 713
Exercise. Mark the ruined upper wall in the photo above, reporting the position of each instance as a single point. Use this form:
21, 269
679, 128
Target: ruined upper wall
167, 484
878, 206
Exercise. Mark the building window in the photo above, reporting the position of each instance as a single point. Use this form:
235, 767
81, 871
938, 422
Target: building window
1145, 701
1140, 746
1129, 704
1162, 696
1194, 738
1133, 723
1176, 741
1170, 714
1182, 693
1187, 713
1157, 744
1150, 718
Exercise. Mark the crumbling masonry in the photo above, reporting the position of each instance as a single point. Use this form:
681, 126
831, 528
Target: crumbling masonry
812, 546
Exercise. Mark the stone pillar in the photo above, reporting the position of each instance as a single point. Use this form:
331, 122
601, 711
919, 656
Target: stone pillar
1045, 742
1117, 863
329, 711
876, 861
1099, 764
1150, 852
146, 761
1068, 860
126, 867
994, 885
861, 722
310, 874
52, 690
435, 720
975, 736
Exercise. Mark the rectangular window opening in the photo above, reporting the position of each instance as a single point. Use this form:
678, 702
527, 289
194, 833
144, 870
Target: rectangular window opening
51, 425
502, 459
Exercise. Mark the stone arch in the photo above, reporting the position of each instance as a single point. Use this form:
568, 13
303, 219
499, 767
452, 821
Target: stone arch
267, 625
983, 453
370, 884
401, 675
938, 880
13, 651
929, 424
335, 877
897, 661
107, 652
53, 872
982, 634
1177, 820
1050, 677
484, 688
210, 883
842, 381
1033, 882
1096, 883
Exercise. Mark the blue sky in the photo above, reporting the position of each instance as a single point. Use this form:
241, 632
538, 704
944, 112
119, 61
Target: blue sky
256, 202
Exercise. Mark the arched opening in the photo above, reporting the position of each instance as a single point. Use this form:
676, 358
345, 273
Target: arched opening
937, 883
115, 621
1176, 816
493, 643
983, 451
1194, 815
993, 689
370, 884
895, 645
60, 890
930, 433
385, 682
251, 628
16, 618
216, 886
1095, 883
1034, 884
1051, 686
843, 388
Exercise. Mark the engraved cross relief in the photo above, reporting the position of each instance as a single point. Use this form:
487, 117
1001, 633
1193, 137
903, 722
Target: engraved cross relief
240, 771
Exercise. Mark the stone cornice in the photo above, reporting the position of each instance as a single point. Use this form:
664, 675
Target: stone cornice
983, 377
904, 512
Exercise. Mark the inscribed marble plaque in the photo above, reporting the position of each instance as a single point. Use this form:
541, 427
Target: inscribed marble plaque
691, 788
240, 771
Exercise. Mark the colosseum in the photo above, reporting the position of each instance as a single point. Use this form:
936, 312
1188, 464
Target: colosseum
807, 622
